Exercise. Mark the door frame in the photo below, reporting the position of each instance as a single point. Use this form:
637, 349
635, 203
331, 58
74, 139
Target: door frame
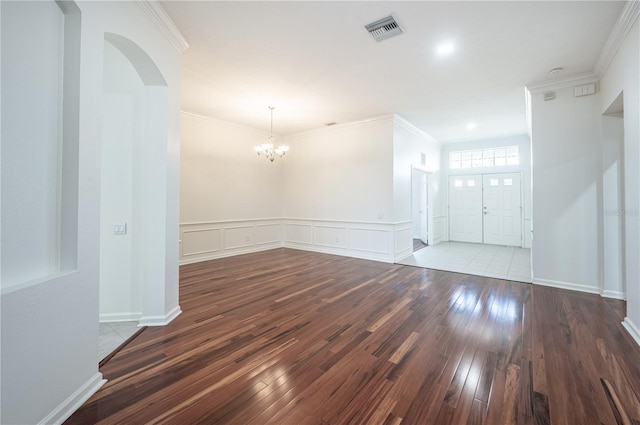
426, 235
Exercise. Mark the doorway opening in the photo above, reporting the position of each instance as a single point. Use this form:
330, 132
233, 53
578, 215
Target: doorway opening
612, 229
133, 210
420, 208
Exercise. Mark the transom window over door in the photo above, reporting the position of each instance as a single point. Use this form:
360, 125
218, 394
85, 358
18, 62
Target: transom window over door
478, 158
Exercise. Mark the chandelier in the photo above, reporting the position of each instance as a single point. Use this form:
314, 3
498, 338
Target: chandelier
268, 149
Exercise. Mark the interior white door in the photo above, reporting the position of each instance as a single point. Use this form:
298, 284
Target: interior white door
502, 209
465, 208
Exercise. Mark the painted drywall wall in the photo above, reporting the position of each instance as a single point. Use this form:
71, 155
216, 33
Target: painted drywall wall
231, 199
342, 173
409, 144
222, 178
50, 329
524, 168
622, 77
566, 174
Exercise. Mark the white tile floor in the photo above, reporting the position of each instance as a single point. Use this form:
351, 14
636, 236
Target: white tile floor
502, 262
113, 334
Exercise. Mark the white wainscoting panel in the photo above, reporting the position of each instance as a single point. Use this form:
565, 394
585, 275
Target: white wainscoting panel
298, 233
238, 237
210, 240
439, 226
200, 241
368, 240
527, 232
330, 236
403, 242
268, 233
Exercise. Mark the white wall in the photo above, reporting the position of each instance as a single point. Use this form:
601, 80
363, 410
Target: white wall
338, 191
50, 328
231, 199
524, 168
409, 144
622, 76
566, 174
343, 172
222, 178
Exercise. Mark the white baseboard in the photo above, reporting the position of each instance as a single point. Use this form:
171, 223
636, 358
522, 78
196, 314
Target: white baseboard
340, 252
566, 285
224, 254
160, 320
74, 401
580, 288
632, 329
119, 317
614, 294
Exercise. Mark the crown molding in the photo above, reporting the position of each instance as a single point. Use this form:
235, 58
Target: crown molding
621, 28
154, 10
230, 125
623, 25
569, 81
402, 122
380, 118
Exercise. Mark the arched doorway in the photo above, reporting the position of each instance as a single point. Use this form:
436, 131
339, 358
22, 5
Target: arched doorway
133, 190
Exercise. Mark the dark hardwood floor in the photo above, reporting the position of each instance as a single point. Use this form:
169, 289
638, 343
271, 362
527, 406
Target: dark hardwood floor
292, 337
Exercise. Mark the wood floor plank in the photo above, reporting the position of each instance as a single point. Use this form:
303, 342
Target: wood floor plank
295, 337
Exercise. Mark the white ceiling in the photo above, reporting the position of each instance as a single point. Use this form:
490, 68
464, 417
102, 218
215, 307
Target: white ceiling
316, 62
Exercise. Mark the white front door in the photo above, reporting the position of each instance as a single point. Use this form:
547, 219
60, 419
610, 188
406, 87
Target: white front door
465, 208
502, 209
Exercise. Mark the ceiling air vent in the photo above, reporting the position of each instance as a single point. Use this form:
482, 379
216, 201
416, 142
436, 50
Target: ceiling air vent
384, 28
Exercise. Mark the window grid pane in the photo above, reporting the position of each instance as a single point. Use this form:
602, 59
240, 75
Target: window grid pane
492, 157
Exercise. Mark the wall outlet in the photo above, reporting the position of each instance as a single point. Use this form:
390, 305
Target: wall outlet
120, 228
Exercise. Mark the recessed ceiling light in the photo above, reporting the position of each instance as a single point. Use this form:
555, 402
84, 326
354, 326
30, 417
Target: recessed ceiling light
555, 71
471, 126
445, 49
